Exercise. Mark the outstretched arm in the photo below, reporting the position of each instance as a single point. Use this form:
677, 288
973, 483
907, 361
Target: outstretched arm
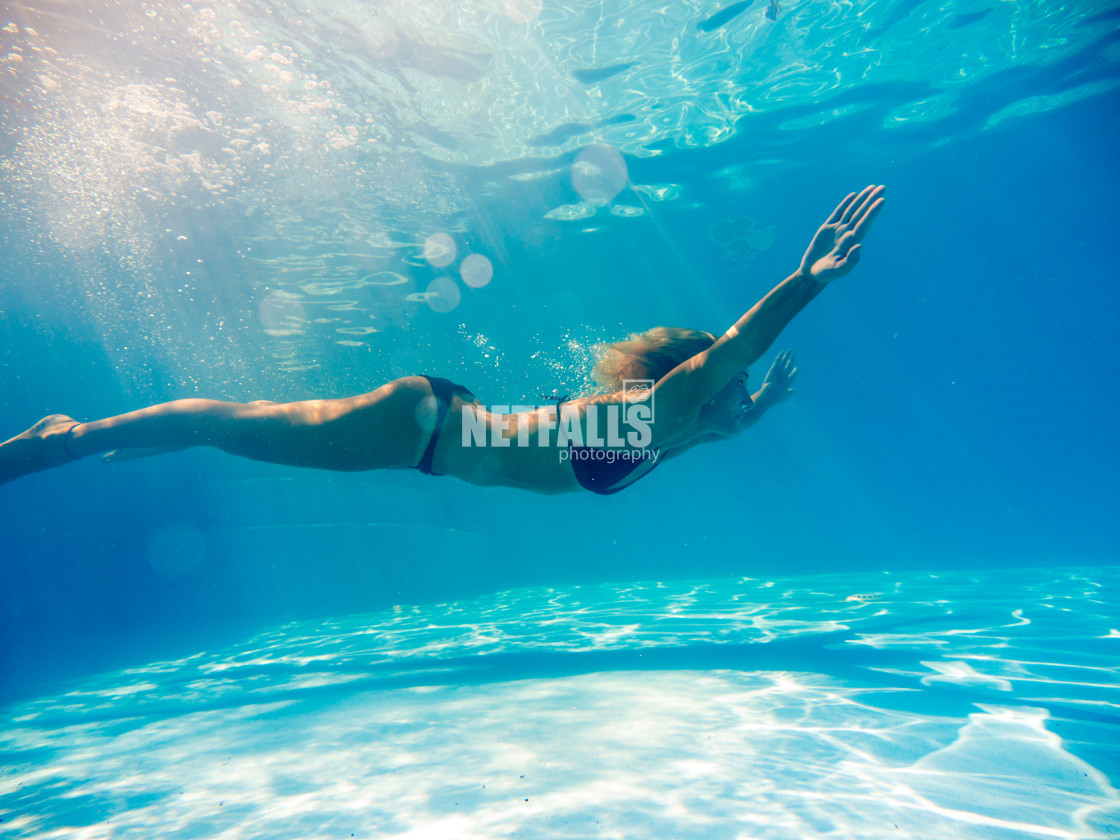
833, 252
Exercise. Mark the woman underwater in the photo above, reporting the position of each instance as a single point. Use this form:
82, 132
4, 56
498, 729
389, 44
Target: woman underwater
697, 393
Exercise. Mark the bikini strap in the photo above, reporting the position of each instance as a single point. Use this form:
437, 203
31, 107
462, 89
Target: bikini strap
66, 442
443, 391
559, 399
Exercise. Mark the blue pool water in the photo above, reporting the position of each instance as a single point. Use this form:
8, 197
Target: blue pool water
889, 609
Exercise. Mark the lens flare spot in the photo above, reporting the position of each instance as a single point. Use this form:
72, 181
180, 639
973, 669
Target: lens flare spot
439, 250
599, 173
282, 313
426, 413
442, 294
476, 271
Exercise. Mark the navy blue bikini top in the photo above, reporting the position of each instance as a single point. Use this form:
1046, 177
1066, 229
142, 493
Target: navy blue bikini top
604, 471
595, 471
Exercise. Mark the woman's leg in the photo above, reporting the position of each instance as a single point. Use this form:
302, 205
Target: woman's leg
384, 428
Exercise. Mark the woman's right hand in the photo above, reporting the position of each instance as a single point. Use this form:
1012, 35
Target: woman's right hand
778, 385
835, 248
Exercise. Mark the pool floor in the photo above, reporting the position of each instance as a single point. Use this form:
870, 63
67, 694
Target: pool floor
950, 705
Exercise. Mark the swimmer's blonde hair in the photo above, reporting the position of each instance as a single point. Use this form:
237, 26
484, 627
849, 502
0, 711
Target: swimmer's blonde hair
647, 355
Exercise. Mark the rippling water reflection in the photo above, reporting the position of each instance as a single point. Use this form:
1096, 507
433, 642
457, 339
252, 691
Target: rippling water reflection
245, 149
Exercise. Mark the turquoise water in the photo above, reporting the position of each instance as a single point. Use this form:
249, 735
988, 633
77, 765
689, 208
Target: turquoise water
887, 610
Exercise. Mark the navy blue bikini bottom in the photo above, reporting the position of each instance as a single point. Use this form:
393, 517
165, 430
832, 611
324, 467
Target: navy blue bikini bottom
444, 390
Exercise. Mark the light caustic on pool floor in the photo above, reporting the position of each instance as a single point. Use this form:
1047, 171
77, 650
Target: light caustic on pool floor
898, 705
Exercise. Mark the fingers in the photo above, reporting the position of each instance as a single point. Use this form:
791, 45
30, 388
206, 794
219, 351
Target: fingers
860, 204
853, 206
785, 364
841, 208
864, 224
790, 364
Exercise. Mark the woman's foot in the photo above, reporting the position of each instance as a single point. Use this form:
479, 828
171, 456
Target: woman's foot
39, 448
